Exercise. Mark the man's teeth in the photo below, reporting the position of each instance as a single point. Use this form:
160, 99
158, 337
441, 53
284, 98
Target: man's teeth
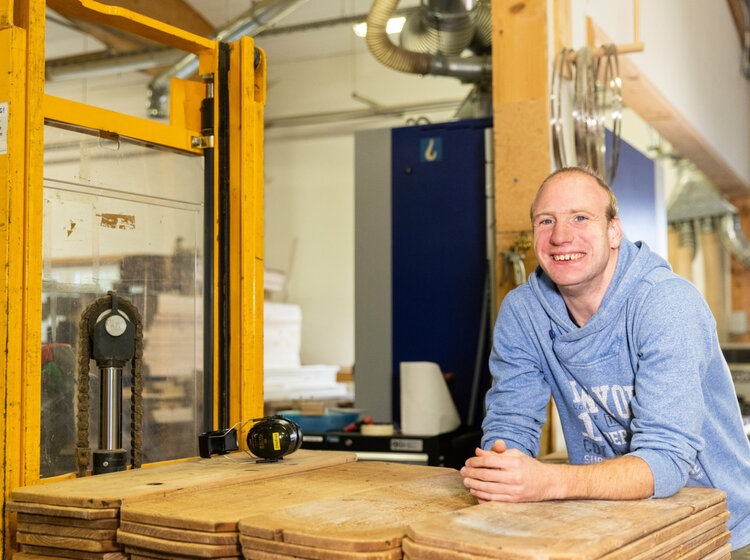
568, 257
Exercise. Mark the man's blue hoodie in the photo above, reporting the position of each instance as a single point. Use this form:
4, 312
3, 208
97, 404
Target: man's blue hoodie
645, 376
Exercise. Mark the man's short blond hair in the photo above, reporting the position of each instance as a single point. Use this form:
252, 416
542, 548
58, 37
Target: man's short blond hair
611, 211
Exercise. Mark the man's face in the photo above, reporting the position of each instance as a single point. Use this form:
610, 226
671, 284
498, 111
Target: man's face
573, 242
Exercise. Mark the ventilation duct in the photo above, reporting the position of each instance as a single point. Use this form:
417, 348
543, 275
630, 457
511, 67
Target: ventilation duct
434, 35
697, 200
262, 15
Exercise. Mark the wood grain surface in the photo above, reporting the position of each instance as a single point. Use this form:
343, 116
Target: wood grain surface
61, 511
220, 509
71, 543
680, 544
74, 554
136, 553
250, 544
111, 490
65, 531
581, 529
109, 523
673, 536
724, 552
198, 550
365, 521
184, 535
29, 556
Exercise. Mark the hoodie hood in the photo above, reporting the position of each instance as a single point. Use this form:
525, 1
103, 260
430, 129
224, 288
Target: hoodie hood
634, 262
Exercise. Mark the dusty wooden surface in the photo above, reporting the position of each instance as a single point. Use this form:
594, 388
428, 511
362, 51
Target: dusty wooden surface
221, 509
113, 489
580, 529
365, 521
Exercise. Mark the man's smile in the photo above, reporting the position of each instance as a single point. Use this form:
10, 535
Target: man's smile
568, 257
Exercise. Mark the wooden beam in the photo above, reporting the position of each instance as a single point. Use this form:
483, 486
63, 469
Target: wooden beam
175, 12
739, 18
562, 25
643, 97
521, 119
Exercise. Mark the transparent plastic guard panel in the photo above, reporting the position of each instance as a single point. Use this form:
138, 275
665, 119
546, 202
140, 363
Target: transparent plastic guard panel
119, 216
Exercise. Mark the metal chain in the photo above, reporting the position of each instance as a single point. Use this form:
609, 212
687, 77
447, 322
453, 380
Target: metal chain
85, 327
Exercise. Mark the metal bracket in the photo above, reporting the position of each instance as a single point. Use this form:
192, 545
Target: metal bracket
202, 142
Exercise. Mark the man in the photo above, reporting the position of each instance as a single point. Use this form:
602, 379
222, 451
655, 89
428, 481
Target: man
629, 352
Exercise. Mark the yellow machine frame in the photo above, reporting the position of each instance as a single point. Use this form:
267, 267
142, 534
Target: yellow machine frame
21, 168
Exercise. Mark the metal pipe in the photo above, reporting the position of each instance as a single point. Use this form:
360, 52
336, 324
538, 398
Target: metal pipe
470, 69
110, 419
733, 239
107, 64
263, 14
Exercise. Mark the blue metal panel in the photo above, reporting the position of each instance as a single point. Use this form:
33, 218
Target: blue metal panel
641, 211
439, 249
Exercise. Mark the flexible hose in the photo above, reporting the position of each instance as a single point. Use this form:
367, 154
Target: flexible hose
383, 49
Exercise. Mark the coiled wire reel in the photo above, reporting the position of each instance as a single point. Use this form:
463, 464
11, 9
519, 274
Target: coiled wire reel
597, 89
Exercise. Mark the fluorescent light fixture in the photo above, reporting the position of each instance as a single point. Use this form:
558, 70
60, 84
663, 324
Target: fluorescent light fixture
394, 25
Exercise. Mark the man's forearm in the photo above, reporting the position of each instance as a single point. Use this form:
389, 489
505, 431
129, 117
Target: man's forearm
623, 478
508, 475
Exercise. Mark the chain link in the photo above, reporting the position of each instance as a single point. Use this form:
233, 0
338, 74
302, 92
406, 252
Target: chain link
85, 328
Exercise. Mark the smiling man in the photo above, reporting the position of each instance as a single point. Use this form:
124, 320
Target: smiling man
629, 352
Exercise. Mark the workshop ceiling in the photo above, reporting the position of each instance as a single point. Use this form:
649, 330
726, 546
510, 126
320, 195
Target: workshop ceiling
286, 42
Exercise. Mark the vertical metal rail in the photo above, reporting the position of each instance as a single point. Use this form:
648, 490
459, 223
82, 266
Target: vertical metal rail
207, 130
222, 128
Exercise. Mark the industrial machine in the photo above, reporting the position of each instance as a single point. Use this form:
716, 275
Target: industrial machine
423, 195
124, 203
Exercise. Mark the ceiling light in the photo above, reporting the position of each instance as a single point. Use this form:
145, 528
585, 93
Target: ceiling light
394, 25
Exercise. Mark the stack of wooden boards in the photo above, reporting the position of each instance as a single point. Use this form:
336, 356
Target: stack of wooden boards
78, 518
324, 506
690, 525
350, 511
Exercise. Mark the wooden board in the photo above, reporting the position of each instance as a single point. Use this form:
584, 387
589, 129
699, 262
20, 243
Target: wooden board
29, 556
252, 544
581, 529
185, 535
198, 550
110, 523
220, 509
724, 552
65, 531
683, 541
67, 542
74, 554
61, 511
111, 490
366, 521
673, 536
136, 553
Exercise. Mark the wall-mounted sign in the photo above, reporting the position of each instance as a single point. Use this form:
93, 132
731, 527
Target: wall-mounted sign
430, 149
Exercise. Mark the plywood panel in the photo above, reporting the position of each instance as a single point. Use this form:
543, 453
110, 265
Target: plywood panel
519, 531
113, 489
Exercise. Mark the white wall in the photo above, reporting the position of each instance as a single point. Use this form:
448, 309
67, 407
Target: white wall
309, 184
692, 56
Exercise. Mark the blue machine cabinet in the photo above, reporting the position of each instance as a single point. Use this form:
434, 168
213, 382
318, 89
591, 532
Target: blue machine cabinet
420, 258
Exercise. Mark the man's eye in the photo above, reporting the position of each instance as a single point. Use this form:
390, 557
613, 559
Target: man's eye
580, 218
544, 222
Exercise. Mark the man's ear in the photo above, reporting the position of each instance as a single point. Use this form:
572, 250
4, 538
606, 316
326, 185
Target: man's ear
614, 230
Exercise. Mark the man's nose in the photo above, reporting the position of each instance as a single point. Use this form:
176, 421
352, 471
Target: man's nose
561, 233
